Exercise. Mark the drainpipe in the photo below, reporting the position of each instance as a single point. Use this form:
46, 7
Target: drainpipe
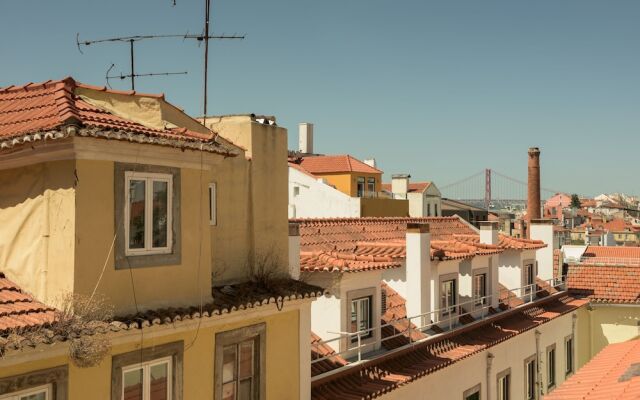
490, 358
538, 370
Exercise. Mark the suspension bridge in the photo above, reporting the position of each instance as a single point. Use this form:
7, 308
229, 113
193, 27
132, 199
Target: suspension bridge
491, 189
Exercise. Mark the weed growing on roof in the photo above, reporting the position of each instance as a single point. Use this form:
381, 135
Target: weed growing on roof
81, 319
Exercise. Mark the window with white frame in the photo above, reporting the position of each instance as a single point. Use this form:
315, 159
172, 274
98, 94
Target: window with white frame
568, 352
147, 381
530, 378
528, 277
148, 209
472, 394
504, 385
361, 317
240, 364
551, 366
37, 393
371, 186
213, 204
480, 289
360, 186
448, 296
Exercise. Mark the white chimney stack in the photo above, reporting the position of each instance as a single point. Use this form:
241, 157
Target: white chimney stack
400, 185
371, 162
294, 250
418, 269
305, 137
489, 232
542, 229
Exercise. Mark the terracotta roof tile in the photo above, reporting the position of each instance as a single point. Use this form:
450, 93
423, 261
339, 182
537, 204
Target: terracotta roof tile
602, 283
18, 310
320, 350
335, 164
613, 374
621, 254
32, 111
374, 378
394, 320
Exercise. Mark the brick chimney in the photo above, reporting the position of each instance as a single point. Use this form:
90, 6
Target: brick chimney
533, 187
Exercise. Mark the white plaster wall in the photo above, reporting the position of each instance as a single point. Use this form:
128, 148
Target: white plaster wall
544, 256
510, 269
417, 205
317, 199
325, 317
451, 382
397, 279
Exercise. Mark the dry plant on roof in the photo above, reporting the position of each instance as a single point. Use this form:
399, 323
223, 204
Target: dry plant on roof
81, 319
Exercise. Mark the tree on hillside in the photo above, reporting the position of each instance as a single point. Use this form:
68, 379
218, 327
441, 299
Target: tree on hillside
575, 201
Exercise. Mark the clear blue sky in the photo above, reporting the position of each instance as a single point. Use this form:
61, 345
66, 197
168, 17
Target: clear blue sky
439, 89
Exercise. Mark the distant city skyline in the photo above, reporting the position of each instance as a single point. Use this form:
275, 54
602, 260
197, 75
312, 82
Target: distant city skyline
439, 90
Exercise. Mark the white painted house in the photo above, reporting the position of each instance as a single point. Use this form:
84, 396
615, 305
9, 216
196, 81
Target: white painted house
425, 199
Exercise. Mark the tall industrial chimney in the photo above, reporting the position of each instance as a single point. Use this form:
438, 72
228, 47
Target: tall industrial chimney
305, 137
533, 187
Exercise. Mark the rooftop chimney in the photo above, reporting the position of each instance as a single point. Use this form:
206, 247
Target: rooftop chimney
400, 185
533, 187
305, 137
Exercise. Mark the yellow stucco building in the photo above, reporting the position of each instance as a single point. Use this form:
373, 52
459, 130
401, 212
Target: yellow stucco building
181, 231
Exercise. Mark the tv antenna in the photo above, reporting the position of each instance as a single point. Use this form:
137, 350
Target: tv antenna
204, 37
122, 76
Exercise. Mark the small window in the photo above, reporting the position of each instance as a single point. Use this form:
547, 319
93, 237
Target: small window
435, 208
504, 385
568, 351
371, 186
530, 378
551, 366
148, 210
38, 393
360, 187
296, 191
472, 394
361, 317
239, 364
147, 381
480, 289
213, 204
428, 209
528, 278
448, 297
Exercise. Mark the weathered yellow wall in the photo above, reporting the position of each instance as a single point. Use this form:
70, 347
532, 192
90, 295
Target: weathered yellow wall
604, 325
37, 227
347, 182
252, 204
158, 286
384, 207
282, 360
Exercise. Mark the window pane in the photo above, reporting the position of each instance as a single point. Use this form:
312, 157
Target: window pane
160, 213
38, 396
132, 385
354, 316
229, 363
136, 214
244, 392
246, 360
229, 391
159, 384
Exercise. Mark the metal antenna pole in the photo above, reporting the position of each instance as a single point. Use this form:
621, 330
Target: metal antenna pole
133, 74
207, 7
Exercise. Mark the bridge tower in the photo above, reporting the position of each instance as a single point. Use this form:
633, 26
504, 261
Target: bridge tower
487, 188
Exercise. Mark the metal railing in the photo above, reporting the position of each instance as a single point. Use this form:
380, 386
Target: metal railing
450, 321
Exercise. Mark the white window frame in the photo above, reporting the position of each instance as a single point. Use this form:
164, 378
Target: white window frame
480, 300
46, 389
551, 367
530, 385
449, 309
369, 317
149, 178
569, 355
504, 379
146, 376
213, 204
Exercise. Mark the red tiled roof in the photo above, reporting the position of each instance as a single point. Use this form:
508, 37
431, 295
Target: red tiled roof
19, 310
344, 262
320, 350
334, 164
613, 374
506, 242
610, 284
413, 187
395, 322
29, 112
374, 378
632, 254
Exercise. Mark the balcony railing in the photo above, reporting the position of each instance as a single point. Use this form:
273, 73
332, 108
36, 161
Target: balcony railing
446, 317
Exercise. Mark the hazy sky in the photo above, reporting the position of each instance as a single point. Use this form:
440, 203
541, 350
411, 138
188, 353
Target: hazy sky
438, 89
